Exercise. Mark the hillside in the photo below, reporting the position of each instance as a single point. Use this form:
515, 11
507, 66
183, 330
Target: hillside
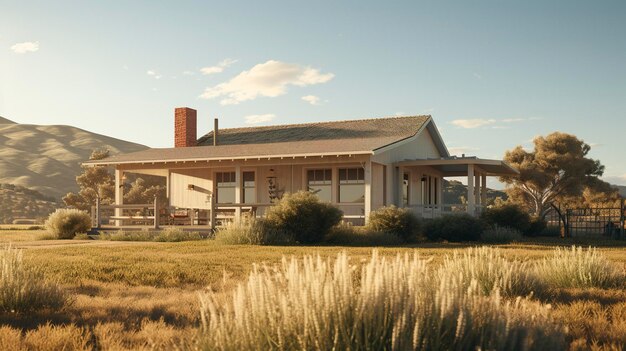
47, 158
20, 202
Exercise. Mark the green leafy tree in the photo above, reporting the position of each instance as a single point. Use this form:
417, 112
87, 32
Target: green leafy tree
557, 169
94, 183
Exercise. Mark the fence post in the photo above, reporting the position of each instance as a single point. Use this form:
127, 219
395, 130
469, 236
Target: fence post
213, 215
622, 220
98, 213
156, 213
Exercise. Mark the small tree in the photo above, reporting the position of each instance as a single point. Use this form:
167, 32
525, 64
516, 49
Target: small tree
95, 183
558, 167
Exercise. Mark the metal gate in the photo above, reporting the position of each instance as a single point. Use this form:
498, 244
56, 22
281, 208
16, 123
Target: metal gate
599, 221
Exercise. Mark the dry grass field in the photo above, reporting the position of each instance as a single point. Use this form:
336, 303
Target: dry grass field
144, 295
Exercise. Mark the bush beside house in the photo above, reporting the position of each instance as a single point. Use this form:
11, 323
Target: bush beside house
66, 223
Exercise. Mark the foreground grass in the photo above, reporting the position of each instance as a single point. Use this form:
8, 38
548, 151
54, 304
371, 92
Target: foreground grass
143, 295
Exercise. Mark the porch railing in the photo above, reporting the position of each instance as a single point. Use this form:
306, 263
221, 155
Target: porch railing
433, 211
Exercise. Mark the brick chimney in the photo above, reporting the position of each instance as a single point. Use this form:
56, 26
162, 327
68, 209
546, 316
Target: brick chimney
185, 127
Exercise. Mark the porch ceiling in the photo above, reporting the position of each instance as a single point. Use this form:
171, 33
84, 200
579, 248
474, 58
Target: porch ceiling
457, 166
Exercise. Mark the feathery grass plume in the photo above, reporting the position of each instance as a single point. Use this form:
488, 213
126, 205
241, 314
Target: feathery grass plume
23, 289
491, 270
579, 268
394, 303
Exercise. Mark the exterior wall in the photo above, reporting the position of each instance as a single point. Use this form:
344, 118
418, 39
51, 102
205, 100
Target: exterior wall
199, 197
378, 185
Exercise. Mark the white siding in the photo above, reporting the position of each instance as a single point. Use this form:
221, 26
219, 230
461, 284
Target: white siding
199, 198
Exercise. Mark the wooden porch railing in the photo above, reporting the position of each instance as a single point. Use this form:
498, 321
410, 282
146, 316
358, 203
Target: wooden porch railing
143, 213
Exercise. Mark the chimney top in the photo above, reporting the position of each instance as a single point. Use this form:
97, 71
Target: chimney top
185, 127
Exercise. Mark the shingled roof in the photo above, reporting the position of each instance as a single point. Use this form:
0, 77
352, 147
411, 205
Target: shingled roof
342, 137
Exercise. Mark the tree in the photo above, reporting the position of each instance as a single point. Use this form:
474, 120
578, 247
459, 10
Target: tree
555, 170
95, 182
98, 182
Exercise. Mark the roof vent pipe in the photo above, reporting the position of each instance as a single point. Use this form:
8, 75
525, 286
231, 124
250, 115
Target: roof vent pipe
215, 131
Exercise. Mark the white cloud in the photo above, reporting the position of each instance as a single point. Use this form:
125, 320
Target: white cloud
311, 99
458, 150
257, 119
218, 68
154, 74
472, 123
27, 46
269, 79
477, 76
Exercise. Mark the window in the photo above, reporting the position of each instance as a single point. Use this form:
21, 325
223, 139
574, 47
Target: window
319, 182
249, 188
225, 187
351, 185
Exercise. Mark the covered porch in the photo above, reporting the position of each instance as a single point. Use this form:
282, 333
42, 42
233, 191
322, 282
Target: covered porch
422, 184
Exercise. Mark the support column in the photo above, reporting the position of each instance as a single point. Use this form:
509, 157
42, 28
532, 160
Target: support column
368, 190
483, 193
119, 195
237, 193
400, 188
477, 179
471, 198
334, 189
390, 194
440, 192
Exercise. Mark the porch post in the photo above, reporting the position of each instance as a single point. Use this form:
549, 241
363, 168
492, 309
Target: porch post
471, 199
390, 194
368, 190
477, 187
440, 193
237, 192
483, 193
400, 188
119, 195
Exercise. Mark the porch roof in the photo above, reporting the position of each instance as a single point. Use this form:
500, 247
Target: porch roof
457, 166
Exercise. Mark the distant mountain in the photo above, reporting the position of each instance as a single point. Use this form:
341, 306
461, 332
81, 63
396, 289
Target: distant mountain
47, 158
621, 189
455, 192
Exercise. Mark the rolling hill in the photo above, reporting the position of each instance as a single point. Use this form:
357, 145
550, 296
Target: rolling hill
47, 158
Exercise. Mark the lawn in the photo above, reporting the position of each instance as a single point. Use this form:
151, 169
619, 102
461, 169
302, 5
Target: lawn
144, 294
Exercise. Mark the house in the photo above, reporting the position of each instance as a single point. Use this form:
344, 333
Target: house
358, 165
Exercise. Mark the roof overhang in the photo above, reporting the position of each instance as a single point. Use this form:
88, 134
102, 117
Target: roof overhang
457, 166
113, 162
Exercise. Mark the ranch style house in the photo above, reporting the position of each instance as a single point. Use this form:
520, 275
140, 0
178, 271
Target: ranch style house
357, 165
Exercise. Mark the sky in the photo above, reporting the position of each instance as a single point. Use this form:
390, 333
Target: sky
493, 74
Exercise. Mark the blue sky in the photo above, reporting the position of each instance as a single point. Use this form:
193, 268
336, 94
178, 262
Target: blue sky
493, 74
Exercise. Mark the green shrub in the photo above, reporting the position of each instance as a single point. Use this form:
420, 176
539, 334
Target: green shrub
509, 216
453, 227
360, 236
551, 231
23, 289
501, 235
580, 268
66, 223
397, 304
536, 227
398, 221
303, 217
256, 232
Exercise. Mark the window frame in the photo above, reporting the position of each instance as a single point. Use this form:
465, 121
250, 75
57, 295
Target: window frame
326, 172
357, 181
217, 186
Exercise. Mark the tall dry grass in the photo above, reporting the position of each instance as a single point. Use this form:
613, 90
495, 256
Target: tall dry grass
579, 268
25, 289
491, 270
398, 303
